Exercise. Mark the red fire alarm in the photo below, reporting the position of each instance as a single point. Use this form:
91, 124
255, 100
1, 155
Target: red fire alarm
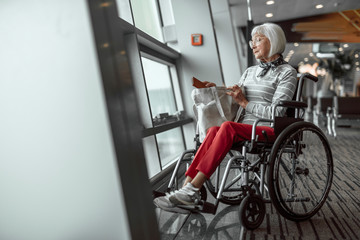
196, 39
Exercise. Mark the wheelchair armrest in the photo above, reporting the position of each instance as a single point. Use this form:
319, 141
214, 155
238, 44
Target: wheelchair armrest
253, 132
292, 104
289, 104
255, 125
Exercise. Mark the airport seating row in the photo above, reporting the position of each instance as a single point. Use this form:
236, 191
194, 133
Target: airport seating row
329, 111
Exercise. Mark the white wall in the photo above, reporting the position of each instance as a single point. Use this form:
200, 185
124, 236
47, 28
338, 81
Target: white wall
230, 61
58, 177
200, 61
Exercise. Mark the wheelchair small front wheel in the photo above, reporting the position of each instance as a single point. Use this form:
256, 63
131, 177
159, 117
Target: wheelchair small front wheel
301, 171
252, 211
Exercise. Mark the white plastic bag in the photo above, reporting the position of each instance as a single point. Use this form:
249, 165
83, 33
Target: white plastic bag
212, 107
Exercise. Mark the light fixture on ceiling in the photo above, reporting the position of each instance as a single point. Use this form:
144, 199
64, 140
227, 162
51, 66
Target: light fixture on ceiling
319, 6
346, 45
346, 66
289, 55
270, 2
325, 55
356, 55
269, 15
296, 44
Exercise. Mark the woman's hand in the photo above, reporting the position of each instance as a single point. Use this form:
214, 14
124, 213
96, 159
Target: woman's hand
209, 84
239, 97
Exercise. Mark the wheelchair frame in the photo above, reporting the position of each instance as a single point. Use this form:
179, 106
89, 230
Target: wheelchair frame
284, 159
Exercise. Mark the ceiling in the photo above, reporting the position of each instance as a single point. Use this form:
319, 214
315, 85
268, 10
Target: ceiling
286, 9
336, 23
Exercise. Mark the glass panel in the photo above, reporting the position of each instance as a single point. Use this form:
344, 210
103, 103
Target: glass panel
176, 86
151, 156
124, 10
161, 95
170, 145
146, 17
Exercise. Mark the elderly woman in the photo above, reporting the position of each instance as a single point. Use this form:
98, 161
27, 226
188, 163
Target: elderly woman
266, 84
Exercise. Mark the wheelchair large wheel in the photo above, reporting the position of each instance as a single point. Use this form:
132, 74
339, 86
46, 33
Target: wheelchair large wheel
300, 171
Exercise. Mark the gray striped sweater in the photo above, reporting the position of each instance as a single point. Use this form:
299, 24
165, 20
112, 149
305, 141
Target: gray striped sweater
264, 92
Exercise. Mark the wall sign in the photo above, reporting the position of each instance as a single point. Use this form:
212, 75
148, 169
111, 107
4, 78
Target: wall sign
196, 39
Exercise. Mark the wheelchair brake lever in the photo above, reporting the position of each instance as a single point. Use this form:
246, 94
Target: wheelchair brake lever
264, 133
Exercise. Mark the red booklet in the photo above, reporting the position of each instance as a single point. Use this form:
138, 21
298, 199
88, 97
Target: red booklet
197, 83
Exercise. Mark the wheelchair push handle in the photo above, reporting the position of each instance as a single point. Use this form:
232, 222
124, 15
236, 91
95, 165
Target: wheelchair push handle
311, 77
301, 82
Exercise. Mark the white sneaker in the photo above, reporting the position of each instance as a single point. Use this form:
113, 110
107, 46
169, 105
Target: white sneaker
188, 195
165, 204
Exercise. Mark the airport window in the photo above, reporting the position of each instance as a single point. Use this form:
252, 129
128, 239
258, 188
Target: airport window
151, 155
166, 107
147, 17
156, 81
160, 90
170, 144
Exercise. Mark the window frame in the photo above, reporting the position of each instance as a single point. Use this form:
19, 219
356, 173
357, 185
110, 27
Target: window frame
155, 50
155, 56
141, 44
166, 62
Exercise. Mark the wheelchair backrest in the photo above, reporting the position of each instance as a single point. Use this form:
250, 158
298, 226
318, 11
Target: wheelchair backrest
293, 113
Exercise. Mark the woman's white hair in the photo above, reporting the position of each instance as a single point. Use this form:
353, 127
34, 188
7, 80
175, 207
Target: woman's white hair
275, 34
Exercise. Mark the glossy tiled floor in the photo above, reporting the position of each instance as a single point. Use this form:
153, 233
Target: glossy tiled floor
339, 218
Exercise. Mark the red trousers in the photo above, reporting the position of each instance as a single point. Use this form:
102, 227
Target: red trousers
218, 142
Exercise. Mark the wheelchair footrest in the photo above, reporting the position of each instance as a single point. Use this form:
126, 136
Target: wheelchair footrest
156, 194
209, 208
203, 207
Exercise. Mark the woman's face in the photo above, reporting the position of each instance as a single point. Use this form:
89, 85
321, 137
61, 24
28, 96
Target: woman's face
261, 47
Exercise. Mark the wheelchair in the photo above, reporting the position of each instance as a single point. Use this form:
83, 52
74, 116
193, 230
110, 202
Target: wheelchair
294, 173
